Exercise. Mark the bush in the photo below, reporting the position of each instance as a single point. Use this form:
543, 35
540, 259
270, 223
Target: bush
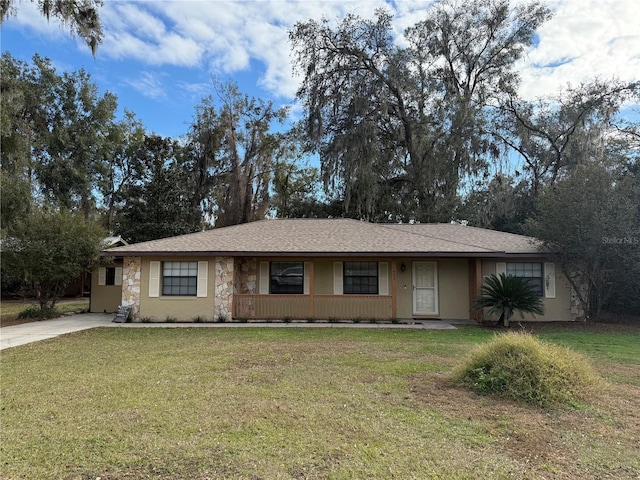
36, 313
521, 367
39, 251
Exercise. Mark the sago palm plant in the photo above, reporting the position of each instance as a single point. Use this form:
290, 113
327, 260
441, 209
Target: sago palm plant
505, 295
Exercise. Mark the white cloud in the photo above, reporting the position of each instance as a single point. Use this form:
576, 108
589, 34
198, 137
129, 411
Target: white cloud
149, 84
132, 31
28, 17
225, 36
134, 17
585, 39
196, 90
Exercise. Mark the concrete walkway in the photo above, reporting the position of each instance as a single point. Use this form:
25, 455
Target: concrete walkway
417, 325
32, 332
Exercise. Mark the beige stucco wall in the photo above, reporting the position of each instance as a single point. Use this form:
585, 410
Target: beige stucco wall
556, 309
323, 276
453, 288
404, 288
105, 298
158, 309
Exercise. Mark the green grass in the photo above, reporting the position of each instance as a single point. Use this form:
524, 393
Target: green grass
159, 403
620, 347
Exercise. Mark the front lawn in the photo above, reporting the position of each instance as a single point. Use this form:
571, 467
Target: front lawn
119, 403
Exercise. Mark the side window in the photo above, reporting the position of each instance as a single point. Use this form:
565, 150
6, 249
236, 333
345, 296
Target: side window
110, 276
531, 272
286, 277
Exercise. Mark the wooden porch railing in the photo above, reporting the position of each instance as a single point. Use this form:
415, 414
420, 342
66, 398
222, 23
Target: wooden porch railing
322, 306
353, 306
270, 306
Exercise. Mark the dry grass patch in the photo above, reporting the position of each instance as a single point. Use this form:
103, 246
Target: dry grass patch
599, 440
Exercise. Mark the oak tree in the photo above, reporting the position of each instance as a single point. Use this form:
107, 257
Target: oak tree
397, 127
81, 16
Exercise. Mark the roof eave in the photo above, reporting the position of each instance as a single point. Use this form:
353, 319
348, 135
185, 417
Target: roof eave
202, 253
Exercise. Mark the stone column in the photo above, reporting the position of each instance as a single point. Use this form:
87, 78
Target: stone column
246, 275
577, 311
131, 267
223, 288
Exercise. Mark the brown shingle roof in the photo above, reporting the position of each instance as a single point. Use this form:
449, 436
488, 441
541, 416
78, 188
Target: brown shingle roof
326, 237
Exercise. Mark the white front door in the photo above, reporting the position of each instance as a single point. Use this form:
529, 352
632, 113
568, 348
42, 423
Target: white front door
425, 288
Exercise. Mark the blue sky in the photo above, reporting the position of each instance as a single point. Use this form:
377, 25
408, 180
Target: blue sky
159, 57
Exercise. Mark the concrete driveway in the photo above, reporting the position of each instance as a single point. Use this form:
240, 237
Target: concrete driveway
32, 332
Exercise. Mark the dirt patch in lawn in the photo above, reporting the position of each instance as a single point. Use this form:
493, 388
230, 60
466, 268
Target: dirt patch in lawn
549, 443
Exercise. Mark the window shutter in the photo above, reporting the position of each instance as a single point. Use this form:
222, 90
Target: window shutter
383, 278
118, 279
264, 278
203, 275
337, 278
154, 279
307, 268
501, 268
550, 280
102, 276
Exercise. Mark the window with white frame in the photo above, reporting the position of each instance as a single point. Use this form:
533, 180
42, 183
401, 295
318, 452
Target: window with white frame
180, 278
530, 271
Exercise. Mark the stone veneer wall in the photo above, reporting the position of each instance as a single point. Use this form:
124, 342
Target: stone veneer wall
131, 267
246, 276
577, 311
223, 288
